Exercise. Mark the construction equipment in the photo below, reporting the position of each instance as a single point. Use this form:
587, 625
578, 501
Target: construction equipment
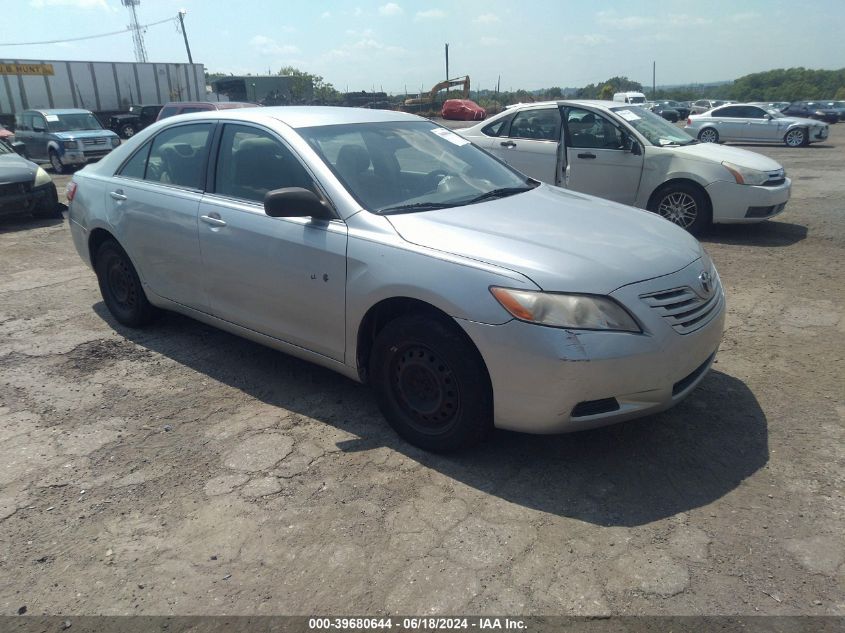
443, 85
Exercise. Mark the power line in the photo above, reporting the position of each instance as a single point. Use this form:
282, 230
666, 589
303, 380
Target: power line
90, 37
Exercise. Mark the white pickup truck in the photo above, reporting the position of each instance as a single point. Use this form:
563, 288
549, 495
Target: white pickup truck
625, 153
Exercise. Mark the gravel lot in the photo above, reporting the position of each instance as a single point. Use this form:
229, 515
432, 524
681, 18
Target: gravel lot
181, 470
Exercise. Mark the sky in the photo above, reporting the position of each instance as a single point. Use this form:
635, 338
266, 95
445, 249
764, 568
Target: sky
398, 45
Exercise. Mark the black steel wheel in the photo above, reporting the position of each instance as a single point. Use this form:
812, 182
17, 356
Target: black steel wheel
121, 287
431, 383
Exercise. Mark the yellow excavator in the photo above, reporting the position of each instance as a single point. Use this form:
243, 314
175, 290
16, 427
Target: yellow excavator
443, 85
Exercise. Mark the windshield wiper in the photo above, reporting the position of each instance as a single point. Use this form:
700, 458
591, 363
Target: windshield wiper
692, 141
497, 193
417, 206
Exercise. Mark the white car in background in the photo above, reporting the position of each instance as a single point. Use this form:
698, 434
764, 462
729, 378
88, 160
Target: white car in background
627, 154
752, 123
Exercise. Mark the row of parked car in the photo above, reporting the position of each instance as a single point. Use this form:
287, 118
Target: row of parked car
828, 111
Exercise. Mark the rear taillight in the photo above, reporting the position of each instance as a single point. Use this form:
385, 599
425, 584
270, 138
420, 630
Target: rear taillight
70, 191
689, 121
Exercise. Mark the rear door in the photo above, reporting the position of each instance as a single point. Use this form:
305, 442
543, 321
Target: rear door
532, 143
730, 123
154, 200
597, 161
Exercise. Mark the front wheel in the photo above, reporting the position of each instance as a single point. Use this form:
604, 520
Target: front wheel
431, 383
683, 205
796, 137
56, 163
121, 287
127, 131
708, 135
49, 207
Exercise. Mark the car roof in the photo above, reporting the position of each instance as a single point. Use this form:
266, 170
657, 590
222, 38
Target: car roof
59, 110
215, 105
310, 116
596, 103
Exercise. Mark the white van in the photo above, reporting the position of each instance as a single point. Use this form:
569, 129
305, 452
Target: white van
629, 97
628, 154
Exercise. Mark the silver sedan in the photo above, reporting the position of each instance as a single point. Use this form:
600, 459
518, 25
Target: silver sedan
754, 124
397, 253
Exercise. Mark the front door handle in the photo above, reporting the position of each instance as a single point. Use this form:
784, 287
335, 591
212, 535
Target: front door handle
117, 195
587, 155
507, 144
213, 221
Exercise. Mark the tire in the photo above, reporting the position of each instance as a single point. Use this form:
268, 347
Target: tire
127, 131
49, 206
56, 163
431, 384
121, 287
708, 135
796, 137
683, 204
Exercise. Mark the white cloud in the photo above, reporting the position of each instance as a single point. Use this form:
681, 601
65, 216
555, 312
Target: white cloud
588, 39
391, 8
486, 18
612, 19
264, 45
431, 14
77, 4
326, 14
491, 41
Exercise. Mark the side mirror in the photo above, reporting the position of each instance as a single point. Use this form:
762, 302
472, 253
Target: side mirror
20, 148
295, 202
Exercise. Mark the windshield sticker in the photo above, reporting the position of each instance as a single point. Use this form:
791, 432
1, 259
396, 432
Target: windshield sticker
52, 118
628, 115
450, 136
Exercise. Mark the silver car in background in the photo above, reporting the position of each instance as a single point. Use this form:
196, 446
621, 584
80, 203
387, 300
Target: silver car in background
395, 252
749, 123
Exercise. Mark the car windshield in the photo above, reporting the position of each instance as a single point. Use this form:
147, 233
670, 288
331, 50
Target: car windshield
135, 109
636, 99
407, 166
5, 148
655, 128
72, 122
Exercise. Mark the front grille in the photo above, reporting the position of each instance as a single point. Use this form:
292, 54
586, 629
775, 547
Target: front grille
94, 141
97, 153
15, 189
685, 309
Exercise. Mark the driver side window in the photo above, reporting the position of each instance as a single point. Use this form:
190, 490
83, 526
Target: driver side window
589, 130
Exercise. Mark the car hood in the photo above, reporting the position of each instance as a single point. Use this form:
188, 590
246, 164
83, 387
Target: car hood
63, 136
14, 168
561, 240
736, 155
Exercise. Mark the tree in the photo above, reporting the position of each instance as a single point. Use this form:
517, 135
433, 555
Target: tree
306, 86
606, 93
840, 94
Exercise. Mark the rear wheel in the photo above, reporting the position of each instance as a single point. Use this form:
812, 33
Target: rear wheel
708, 135
684, 205
431, 383
121, 287
56, 162
796, 137
127, 131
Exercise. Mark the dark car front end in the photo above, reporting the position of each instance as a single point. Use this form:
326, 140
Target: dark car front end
25, 187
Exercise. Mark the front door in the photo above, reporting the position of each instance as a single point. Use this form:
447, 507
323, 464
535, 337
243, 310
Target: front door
282, 277
153, 204
531, 145
598, 158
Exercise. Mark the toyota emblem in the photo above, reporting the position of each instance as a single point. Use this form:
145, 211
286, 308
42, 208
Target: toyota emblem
706, 282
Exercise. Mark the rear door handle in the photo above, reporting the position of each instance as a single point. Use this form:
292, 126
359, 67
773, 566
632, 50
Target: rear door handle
117, 195
587, 155
208, 219
507, 144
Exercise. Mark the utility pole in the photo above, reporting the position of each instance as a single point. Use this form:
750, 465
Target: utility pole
653, 83
182, 13
447, 64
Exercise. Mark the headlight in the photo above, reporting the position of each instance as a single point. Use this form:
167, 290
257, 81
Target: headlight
70, 144
579, 312
115, 141
42, 177
745, 175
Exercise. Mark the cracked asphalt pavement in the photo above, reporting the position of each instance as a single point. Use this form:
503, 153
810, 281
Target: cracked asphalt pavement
181, 470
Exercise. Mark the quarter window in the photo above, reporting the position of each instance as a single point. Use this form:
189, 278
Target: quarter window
137, 165
177, 156
497, 128
252, 162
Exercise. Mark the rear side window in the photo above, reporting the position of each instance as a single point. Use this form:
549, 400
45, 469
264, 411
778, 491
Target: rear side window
189, 109
728, 111
135, 166
168, 111
177, 155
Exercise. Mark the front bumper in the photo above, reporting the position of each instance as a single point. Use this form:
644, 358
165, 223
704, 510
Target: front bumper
737, 204
79, 157
23, 198
820, 134
550, 380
